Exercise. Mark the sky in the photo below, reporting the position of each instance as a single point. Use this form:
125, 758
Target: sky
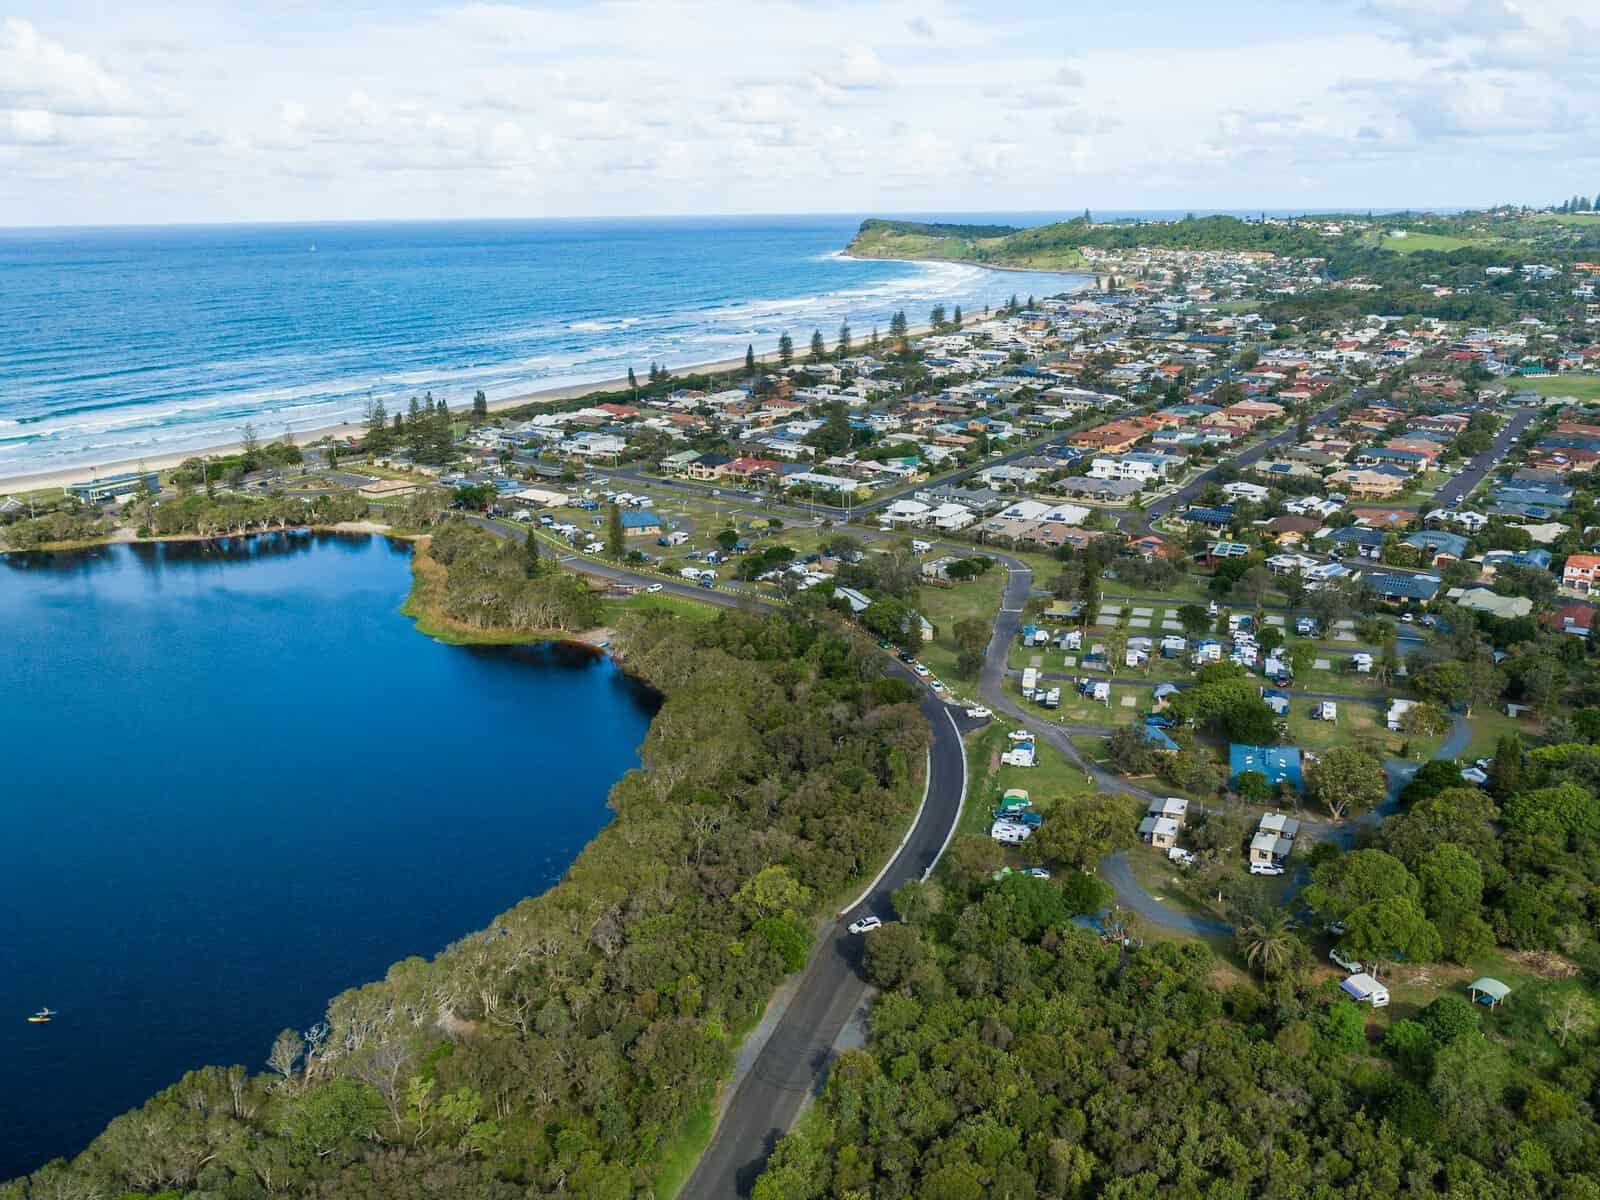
167, 111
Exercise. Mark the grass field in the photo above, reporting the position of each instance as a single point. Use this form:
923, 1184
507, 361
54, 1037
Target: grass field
1417, 243
1579, 387
1049, 781
944, 606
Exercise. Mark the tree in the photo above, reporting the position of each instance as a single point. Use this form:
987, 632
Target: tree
972, 637
1194, 620
785, 350
616, 536
1569, 1012
1302, 658
894, 954
955, 318
750, 359
1425, 720
1448, 1019
1130, 750
936, 317
1392, 928
1505, 769
1081, 831
819, 351
377, 440
1252, 787
1252, 723
1345, 779
480, 401
1116, 643
841, 346
531, 564
1444, 683
1268, 942
251, 446
1343, 884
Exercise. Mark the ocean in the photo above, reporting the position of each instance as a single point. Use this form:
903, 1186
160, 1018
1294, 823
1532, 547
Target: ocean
237, 781
127, 342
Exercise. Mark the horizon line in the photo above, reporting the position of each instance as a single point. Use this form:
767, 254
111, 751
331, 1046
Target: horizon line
1203, 210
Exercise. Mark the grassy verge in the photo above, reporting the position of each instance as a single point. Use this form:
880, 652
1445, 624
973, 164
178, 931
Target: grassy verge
945, 606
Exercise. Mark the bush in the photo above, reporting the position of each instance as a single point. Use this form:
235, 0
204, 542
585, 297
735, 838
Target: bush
1410, 1043
1448, 1018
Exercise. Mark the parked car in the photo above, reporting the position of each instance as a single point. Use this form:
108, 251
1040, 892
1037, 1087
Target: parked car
1036, 872
921, 670
979, 713
654, 587
866, 925
1265, 869
1182, 857
1349, 964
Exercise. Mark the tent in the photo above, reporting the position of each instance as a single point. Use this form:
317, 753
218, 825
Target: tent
1488, 991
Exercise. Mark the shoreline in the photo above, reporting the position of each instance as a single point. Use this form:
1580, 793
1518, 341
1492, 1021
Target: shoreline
62, 477
1088, 274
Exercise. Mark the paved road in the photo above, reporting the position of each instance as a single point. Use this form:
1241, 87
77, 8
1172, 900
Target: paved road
793, 1063
1463, 483
1138, 524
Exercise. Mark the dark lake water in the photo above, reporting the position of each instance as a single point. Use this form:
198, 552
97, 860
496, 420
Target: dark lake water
235, 781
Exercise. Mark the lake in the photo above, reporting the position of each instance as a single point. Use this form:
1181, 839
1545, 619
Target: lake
237, 781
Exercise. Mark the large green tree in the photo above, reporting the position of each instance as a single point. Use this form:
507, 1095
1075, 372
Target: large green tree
1345, 780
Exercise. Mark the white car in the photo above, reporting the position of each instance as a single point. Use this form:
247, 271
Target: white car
1036, 873
937, 684
921, 670
1350, 965
1184, 858
866, 925
1265, 869
979, 713
653, 588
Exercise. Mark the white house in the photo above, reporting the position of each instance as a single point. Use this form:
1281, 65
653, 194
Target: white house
1246, 491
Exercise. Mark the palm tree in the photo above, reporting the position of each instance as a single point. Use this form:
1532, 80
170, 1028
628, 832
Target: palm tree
1267, 941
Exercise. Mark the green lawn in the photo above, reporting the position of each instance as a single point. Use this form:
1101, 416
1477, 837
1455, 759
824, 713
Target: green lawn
944, 606
1051, 779
1490, 723
1579, 387
1417, 243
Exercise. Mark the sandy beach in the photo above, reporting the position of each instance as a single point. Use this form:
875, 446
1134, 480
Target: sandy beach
48, 480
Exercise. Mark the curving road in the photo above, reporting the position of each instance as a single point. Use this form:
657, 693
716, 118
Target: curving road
792, 1064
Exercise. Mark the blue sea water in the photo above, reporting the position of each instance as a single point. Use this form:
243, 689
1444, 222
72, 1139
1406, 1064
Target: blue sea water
127, 342
235, 782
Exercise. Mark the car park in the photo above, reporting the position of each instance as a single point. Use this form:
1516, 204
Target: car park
866, 925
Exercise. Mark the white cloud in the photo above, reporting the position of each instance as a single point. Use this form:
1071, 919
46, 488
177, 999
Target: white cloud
110, 113
38, 73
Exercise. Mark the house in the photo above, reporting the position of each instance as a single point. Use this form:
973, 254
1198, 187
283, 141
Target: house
1273, 840
384, 489
115, 487
1393, 588
708, 467
638, 522
1576, 619
1280, 764
1174, 808
1483, 600
1208, 518
1104, 490
1579, 573
1353, 539
1291, 529
1253, 492
1159, 832
1437, 544
1369, 484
